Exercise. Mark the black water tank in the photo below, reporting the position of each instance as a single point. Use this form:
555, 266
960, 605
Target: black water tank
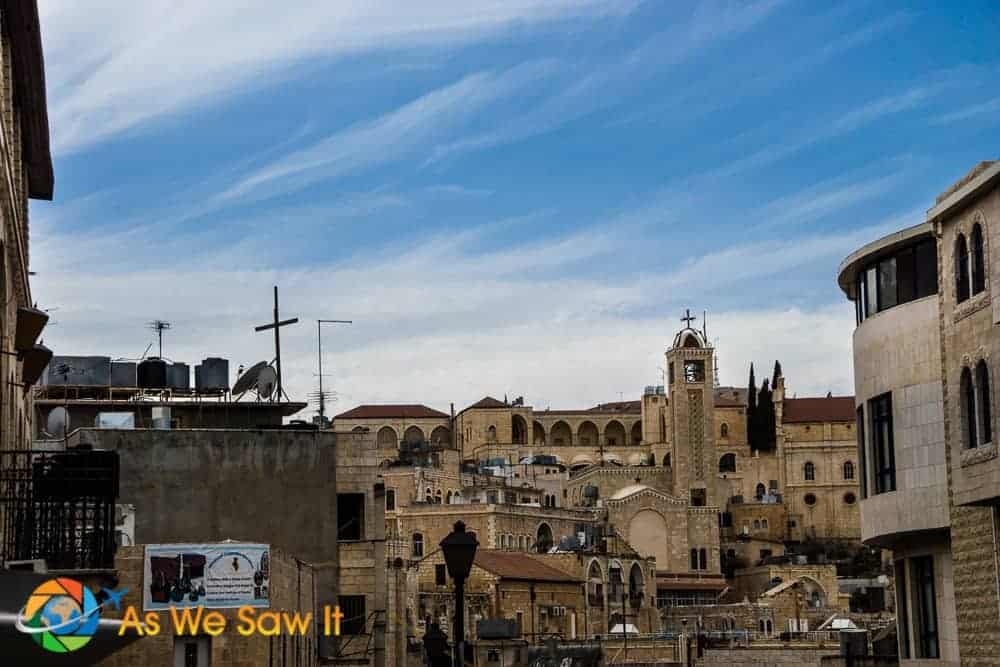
152, 373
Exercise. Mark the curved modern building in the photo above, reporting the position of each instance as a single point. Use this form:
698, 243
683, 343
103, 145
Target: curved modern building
893, 283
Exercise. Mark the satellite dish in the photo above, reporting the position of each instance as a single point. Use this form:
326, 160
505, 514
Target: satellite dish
248, 380
267, 380
57, 424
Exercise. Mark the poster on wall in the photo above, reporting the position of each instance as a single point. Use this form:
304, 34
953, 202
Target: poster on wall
217, 576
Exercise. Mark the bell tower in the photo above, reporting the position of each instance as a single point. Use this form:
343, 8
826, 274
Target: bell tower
691, 373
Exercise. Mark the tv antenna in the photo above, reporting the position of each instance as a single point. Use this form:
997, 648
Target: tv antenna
159, 326
321, 395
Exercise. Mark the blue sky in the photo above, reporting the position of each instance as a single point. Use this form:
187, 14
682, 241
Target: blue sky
507, 197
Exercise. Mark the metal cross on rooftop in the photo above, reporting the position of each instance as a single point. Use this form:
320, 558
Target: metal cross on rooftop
276, 325
688, 317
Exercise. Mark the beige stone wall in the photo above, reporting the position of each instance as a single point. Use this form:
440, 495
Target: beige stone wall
291, 590
610, 480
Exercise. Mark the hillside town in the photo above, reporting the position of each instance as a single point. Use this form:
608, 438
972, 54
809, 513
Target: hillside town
688, 523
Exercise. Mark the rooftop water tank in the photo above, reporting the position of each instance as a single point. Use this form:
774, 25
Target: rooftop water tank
212, 374
152, 373
179, 376
123, 374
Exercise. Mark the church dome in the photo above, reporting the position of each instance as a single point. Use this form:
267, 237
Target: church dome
689, 337
628, 491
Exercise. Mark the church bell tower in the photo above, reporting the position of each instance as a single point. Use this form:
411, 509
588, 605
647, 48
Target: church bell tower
691, 373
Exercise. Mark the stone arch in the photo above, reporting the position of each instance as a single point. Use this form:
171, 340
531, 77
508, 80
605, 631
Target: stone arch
538, 433
666, 460
727, 463
616, 583
358, 429
441, 436
647, 531
587, 434
518, 430
961, 269
413, 435
760, 491
561, 433
543, 538
614, 434
387, 438
491, 433
636, 582
637, 434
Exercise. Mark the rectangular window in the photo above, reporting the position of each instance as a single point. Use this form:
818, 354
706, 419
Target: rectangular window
871, 286
862, 460
390, 500
884, 457
441, 575
906, 279
887, 297
353, 609
902, 610
926, 261
923, 591
350, 516
192, 651
859, 302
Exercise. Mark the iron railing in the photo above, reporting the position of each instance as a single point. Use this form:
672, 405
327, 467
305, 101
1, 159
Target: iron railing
59, 506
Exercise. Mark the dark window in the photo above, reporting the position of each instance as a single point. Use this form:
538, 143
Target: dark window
702, 559
727, 463
724, 430
441, 575
810, 471
926, 258
923, 589
191, 654
353, 609
861, 451
906, 282
698, 497
350, 516
871, 291
666, 460
978, 256
418, 545
694, 559
887, 297
848, 470
985, 411
694, 370
760, 491
882, 442
765, 553
390, 500
961, 269
968, 408
902, 610
810, 499
850, 498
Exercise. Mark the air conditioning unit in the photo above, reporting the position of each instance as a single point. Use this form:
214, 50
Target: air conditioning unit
36, 565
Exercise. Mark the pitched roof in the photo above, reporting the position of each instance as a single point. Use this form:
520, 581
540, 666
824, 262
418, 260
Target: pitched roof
488, 402
391, 411
618, 406
825, 409
513, 565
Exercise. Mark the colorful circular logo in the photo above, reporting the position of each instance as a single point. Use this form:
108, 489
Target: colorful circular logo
61, 615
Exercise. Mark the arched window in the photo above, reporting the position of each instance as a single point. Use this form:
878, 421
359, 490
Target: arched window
968, 393
978, 263
491, 433
809, 470
390, 500
985, 410
961, 269
543, 539
724, 430
666, 460
763, 524
760, 491
447, 499
727, 463
418, 545
702, 559
848, 469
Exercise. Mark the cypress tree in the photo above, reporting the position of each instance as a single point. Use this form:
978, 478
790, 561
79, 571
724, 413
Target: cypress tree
765, 418
752, 430
777, 374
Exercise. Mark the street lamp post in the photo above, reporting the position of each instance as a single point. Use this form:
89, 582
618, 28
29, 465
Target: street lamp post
459, 549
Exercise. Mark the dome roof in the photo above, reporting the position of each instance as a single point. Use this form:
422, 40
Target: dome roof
689, 337
628, 491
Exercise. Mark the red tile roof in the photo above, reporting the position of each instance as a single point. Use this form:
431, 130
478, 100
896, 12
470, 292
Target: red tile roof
488, 402
391, 412
513, 565
824, 409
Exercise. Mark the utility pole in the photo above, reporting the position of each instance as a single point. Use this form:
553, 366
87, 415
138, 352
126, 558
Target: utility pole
319, 345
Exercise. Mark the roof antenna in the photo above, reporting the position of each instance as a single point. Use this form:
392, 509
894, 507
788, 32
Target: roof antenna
159, 326
704, 327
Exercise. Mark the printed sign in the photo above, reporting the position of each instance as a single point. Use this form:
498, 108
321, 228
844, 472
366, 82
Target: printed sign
218, 576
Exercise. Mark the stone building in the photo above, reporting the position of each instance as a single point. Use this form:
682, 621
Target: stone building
925, 356
26, 165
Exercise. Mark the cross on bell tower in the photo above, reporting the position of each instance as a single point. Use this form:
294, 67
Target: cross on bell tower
688, 317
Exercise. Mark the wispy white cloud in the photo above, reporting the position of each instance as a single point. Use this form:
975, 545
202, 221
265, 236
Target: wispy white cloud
965, 113
159, 57
389, 137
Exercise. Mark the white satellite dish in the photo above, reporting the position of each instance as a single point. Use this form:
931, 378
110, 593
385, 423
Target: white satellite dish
57, 423
267, 381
